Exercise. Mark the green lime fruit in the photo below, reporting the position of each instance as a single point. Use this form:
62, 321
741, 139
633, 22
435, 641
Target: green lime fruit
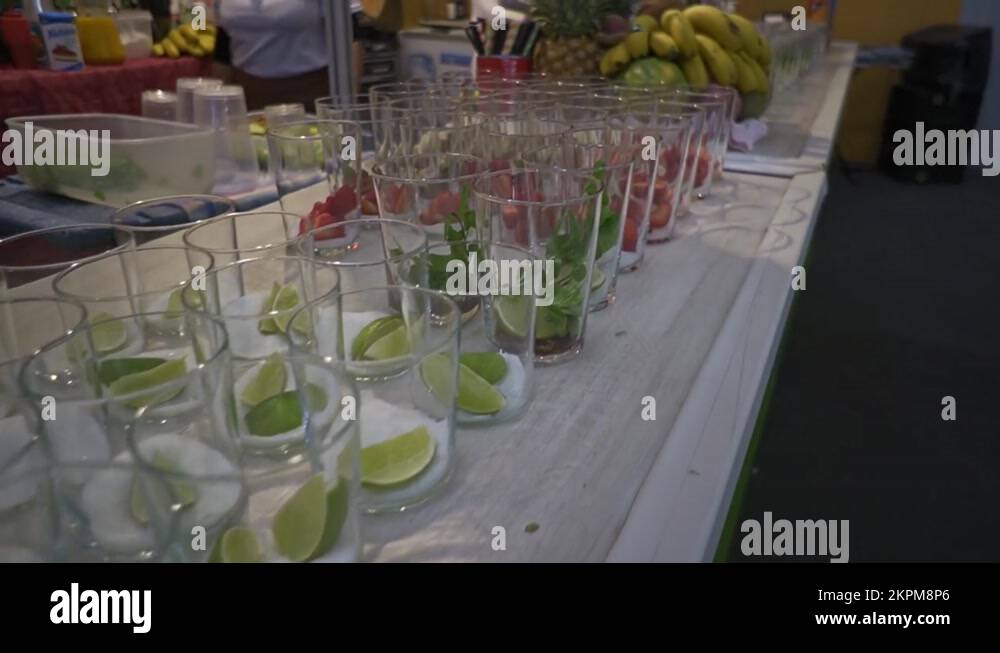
139, 381
239, 544
269, 381
286, 300
175, 302
182, 493
267, 325
109, 334
550, 324
381, 339
489, 365
475, 394
299, 525
337, 504
597, 279
397, 460
514, 314
283, 413
112, 369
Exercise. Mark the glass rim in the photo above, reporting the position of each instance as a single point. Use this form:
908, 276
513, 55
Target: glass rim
588, 146
81, 323
59, 278
379, 160
208, 197
493, 124
220, 351
187, 239
82, 226
274, 130
496, 199
301, 240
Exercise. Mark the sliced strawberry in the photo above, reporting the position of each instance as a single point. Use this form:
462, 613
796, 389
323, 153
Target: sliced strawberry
342, 202
659, 217
636, 210
512, 215
369, 203
446, 203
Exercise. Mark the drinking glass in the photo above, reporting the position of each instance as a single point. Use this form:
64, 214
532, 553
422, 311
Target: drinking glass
224, 110
161, 216
370, 253
35, 256
494, 285
554, 213
185, 95
608, 159
117, 386
508, 139
401, 345
133, 281
29, 512
237, 236
431, 191
317, 168
295, 503
441, 132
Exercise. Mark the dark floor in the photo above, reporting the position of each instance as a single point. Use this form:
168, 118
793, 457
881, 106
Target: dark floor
902, 308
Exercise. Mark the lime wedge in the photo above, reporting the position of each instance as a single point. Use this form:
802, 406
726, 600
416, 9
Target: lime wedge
597, 279
239, 544
270, 381
159, 375
489, 365
475, 394
286, 299
109, 333
336, 514
112, 369
380, 339
283, 413
550, 324
182, 493
175, 303
299, 525
399, 459
513, 314
267, 325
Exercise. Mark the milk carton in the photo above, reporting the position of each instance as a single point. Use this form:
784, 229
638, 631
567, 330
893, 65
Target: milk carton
62, 47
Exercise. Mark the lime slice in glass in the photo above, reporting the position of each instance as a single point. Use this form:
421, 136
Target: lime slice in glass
159, 375
380, 339
267, 325
239, 544
597, 279
112, 369
550, 324
399, 459
283, 413
270, 381
475, 394
513, 313
336, 514
286, 300
489, 365
109, 334
299, 525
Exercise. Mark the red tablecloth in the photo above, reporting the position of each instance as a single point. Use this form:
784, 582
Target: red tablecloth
95, 89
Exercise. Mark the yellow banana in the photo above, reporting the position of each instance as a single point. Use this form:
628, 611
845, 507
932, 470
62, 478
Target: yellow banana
763, 82
748, 34
711, 21
189, 34
207, 43
179, 42
677, 26
158, 50
695, 72
746, 81
664, 46
718, 61
170, 48
195, 51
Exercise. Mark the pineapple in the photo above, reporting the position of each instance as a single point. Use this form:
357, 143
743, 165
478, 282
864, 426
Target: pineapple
568, 46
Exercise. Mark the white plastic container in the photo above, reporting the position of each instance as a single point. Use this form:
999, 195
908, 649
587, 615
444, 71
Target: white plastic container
148, 158
135, 26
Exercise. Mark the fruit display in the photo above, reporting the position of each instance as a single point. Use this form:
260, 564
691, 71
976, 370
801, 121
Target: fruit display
186, 40
575, 33
669, 45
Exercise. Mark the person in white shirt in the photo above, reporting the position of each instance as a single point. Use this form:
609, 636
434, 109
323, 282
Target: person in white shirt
278, 49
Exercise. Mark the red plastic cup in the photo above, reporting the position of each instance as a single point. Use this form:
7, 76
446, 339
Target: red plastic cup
502, 67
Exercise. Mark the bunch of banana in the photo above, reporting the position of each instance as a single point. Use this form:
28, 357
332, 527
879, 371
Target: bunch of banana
645, 38
720, 47
186, 40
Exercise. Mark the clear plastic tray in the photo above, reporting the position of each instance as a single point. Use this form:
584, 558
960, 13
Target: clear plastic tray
148, 158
